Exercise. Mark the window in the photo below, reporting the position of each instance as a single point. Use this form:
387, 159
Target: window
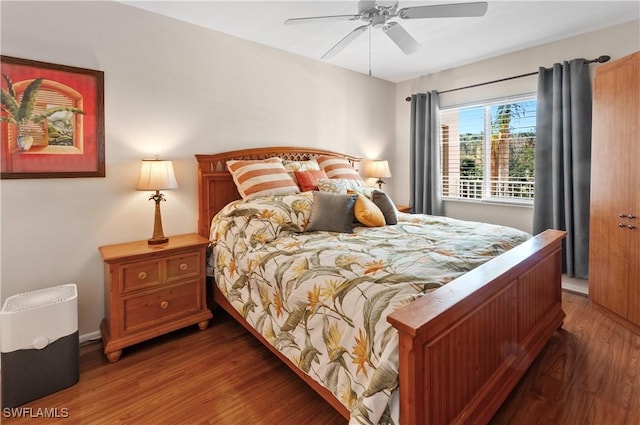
487, 150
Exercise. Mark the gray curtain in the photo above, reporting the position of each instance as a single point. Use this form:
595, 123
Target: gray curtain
425, 197
563, 160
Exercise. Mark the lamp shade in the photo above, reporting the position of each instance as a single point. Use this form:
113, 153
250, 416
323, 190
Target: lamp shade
156, 174
378, 169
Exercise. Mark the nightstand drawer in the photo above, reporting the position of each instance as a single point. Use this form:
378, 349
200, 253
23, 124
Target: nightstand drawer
154, 307
137, 275
184, 266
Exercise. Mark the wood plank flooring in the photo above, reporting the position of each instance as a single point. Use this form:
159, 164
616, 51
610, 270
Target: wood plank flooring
589, 373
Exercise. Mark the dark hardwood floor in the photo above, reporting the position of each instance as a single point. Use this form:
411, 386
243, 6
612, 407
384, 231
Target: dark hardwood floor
589, 373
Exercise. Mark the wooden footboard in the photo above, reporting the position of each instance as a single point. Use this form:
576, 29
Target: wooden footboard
464, 346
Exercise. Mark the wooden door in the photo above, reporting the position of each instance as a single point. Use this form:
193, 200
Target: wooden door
634, 193
613, 166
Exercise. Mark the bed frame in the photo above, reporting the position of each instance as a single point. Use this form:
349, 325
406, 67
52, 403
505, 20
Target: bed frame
464, 346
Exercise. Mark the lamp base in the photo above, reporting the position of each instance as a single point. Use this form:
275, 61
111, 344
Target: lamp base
158, 234
157, 241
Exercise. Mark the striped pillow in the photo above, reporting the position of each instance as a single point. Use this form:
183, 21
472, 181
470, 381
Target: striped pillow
338, 168
261, 177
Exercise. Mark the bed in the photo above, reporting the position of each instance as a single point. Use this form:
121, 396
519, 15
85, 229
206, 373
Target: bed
461, 347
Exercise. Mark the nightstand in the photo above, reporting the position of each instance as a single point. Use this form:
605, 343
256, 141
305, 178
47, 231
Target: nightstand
403, 208
151, 290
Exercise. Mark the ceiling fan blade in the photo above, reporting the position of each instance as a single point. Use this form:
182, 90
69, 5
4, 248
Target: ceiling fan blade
344, 42
401, 37
293, 21
453, 10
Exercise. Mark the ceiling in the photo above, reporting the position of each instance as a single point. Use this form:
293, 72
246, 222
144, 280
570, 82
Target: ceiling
445, 43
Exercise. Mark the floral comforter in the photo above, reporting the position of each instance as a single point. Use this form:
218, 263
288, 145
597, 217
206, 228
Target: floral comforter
322, 298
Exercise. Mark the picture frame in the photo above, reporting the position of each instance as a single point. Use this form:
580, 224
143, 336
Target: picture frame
52, 120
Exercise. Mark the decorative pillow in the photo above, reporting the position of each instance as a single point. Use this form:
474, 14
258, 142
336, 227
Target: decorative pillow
386, 205
292, 166
332, 212
366, 212
339, 168
308, 180
261, 177
339, 185
364, 190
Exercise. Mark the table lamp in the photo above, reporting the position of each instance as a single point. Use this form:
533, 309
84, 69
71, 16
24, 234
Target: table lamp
378, 169
156, 174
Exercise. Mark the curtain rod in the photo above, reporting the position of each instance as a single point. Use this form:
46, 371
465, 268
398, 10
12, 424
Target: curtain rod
599, 59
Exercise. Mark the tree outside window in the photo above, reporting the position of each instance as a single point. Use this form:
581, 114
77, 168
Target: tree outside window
508, 151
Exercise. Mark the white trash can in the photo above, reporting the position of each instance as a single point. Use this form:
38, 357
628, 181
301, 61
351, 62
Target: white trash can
39, 344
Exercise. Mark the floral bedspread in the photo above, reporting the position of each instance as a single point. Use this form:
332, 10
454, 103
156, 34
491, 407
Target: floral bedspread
322, 298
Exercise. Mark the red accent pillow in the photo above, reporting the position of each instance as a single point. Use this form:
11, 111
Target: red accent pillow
308, 179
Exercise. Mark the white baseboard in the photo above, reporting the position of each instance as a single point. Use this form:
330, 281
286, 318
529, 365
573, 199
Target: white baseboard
90, 337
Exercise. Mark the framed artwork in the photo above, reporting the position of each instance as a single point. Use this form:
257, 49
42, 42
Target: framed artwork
52, 120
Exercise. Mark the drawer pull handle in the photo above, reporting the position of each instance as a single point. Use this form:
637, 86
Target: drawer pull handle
631, 227
621, 225
164, 304
142, 275
183, 267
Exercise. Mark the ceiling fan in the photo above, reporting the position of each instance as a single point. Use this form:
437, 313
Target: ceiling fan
380, 15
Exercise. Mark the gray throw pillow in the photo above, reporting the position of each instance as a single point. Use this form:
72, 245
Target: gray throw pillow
332, 212
386, 205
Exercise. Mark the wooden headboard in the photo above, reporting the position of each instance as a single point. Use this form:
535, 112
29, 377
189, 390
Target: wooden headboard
215, 184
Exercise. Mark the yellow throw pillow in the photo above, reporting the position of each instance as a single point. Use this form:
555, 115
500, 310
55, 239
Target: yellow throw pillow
366, 212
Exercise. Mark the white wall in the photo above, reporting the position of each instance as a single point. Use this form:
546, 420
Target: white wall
175, 90
616, 42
